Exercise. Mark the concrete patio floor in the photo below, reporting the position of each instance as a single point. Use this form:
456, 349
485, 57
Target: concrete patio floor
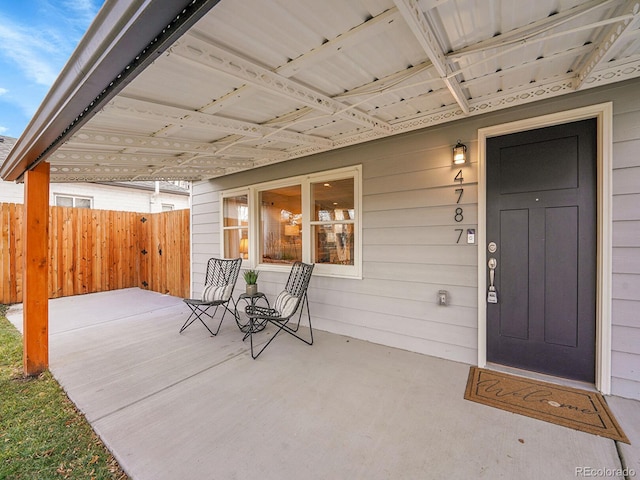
192, 406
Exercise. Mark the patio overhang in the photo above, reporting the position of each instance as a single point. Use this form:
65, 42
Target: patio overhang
160, 89
198, 89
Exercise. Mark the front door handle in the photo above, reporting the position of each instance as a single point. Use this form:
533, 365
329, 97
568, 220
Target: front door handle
492, 296
493, 263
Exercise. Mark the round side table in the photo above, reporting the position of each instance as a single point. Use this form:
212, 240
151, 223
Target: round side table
249, 299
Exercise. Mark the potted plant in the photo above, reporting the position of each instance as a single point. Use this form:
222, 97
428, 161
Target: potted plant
251, 277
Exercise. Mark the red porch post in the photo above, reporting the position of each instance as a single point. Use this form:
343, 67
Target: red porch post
35, 279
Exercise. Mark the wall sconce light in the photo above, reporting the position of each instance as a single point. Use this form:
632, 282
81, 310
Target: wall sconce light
460, 154
244, 247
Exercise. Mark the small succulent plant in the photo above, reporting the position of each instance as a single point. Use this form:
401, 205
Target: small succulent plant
251, 277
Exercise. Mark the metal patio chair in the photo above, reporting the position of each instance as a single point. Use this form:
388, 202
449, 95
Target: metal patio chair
220, 281
291, 300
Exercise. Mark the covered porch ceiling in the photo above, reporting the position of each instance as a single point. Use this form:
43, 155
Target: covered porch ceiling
209, 88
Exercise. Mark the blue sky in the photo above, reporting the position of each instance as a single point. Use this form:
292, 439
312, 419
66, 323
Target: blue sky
37, 38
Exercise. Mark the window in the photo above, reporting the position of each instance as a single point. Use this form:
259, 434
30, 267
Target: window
168, 207
333, 222
73, 201
280, 221
315, 219
235, 226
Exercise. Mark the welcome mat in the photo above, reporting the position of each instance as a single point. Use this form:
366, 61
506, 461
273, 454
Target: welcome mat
570, 407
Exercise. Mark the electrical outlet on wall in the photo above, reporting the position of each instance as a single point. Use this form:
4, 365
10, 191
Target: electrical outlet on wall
443, 297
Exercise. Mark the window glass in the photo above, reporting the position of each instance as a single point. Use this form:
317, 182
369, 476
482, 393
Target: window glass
71, 201
83, 202
236, 211
280, 222
64, 201
236, 226
334, 221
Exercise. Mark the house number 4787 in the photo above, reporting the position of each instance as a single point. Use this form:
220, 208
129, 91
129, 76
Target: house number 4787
458, 214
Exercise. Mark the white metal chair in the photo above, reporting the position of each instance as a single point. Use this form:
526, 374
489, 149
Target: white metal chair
220, 281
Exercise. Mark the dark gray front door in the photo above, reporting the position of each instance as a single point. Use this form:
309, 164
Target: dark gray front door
541, 216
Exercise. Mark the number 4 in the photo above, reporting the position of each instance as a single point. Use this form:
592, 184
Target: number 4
459, 177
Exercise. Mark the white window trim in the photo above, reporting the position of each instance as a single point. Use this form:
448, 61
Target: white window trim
73, 197
253, 192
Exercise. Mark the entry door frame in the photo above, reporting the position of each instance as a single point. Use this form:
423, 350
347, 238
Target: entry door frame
604, 114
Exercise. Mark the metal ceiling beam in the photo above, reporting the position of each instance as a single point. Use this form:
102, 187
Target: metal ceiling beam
524, 33
226, 101
437, 93
572, 52
610, 41
494, 102
390, 83
417, 22
63, 173
144, 110
369, 91
513, 46
131, 159
204, 52
123, 141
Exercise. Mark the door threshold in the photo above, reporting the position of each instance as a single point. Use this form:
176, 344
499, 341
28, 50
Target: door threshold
565, 382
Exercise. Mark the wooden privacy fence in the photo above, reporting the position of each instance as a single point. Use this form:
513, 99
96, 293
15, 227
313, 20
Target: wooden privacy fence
97, 250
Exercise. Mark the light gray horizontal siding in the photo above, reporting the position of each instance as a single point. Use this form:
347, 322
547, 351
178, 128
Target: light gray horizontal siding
626, 207
462, 275
625, 153
626, 287
409, 238
626, 245
623, 387
626, 180
625, 312
414, 235
627, 339
626, 124
205, 233
627, 374
425, 216
625, 234
626, 260
418, 180
437, 196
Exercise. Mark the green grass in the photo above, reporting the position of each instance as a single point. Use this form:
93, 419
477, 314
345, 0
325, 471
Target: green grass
42, 435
